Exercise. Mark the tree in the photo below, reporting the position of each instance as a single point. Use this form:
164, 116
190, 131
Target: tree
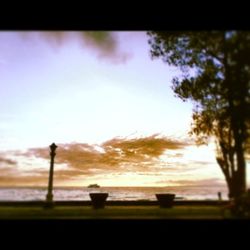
215, 76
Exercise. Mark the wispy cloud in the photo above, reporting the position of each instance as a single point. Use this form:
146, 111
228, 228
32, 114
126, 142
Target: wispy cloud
104, 44
10, 175
6, 161
15, 180
195, 182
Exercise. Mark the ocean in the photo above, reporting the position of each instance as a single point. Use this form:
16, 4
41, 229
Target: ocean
115, 193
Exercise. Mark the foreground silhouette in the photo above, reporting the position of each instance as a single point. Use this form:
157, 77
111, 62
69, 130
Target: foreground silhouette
215, 66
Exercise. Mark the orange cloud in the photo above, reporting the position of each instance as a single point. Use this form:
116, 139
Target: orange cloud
11, 176
113, 154
142, 148
12, 180
119, 155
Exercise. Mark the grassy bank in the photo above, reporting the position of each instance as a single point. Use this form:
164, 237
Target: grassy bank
113, 212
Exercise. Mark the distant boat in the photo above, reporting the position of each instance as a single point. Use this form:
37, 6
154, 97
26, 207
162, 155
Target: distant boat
93, 186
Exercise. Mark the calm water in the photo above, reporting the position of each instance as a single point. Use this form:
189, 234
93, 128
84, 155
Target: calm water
115, 193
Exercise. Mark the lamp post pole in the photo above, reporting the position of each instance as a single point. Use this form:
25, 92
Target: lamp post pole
49, 197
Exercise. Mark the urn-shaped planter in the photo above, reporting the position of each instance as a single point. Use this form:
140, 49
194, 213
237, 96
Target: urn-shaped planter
165, 200
98, 199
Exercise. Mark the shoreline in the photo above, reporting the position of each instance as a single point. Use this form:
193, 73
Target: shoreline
115, 203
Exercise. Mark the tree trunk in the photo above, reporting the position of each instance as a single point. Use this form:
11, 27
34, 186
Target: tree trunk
241, 166
237, 183
232, 164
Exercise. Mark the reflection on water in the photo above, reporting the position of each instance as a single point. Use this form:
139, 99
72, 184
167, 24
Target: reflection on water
115, 193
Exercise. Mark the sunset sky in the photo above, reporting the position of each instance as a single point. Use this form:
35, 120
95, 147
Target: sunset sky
107, 105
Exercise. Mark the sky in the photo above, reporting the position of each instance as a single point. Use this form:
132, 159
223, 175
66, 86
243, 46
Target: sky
107, 105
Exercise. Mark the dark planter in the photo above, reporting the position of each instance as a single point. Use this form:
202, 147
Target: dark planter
165, 200
98, 199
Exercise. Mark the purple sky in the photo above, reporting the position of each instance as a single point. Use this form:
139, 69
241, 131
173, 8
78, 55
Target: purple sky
76, 88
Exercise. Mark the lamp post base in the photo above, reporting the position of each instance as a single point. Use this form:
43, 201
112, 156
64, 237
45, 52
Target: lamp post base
49, 201
49, 197
49, 205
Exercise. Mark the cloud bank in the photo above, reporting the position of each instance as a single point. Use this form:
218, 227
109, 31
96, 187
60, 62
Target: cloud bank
116, 156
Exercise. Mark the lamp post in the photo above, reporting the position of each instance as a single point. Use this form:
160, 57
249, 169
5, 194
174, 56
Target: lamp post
49, 197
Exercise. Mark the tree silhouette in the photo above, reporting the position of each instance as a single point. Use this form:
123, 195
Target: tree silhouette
215, 76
